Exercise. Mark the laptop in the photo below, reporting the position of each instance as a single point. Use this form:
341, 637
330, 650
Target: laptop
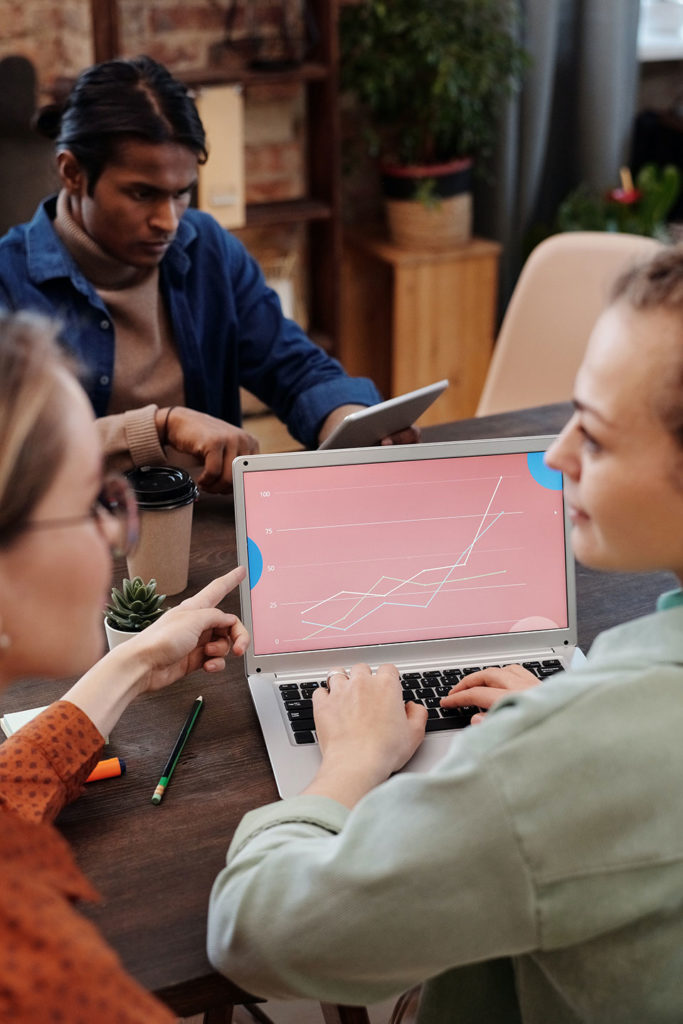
437, 557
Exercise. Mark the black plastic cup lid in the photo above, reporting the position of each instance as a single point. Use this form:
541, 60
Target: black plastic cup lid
162, 486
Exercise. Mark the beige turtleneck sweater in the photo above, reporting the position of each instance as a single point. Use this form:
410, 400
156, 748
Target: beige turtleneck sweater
147, 370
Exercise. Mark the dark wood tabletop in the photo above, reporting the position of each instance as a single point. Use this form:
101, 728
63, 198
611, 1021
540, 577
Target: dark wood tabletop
154, 865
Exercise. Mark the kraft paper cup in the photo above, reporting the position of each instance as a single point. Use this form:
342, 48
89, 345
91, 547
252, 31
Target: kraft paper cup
165, 497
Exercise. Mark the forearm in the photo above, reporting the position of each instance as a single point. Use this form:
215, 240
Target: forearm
365, 937
346, 779
132, 438
335, 418
279, 364
106, 690
299, 870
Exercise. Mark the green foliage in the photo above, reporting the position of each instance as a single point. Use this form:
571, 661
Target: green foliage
587, 210
135, 606
425, 193
432, 76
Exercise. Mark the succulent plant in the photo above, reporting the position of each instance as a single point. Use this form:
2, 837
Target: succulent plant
135, 606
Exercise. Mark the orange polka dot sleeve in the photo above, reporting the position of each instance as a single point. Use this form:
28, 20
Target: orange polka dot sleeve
54, 964
44, 765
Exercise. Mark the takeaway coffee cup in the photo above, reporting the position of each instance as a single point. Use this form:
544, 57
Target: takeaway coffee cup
165, 497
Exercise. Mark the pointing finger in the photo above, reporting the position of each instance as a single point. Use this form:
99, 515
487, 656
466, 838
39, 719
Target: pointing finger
214, 592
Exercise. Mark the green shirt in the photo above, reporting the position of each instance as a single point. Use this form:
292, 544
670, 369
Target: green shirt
535, 874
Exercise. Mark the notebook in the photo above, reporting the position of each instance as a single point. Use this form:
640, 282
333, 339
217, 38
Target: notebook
428, 556
12, 722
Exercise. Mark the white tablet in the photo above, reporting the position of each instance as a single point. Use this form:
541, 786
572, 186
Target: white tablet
368, 426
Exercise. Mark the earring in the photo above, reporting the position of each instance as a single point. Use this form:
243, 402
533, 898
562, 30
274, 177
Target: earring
5, 640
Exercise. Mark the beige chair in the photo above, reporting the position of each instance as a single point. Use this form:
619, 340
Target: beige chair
561, 290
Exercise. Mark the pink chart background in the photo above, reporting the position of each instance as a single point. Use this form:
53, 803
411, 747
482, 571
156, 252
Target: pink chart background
404, 551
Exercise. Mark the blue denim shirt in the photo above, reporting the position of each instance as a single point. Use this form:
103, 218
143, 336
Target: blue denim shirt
228, 325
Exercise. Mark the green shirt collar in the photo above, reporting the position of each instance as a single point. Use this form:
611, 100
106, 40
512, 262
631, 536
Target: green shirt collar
671, 599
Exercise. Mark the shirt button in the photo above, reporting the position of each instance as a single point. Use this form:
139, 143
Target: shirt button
105, 325
104, 380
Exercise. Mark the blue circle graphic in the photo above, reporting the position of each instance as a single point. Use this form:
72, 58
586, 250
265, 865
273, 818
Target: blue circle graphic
542, 474
255, 562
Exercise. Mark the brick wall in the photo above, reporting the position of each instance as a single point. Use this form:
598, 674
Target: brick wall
180, 35
54, 34
189, 36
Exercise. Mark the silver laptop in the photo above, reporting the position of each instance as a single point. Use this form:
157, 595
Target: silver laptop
439, 558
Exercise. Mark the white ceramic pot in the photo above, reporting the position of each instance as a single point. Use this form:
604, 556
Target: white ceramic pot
116, 636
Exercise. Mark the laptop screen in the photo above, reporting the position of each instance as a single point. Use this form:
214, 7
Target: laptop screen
386, 552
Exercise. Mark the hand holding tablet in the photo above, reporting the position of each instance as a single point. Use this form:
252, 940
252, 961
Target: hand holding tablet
368, 426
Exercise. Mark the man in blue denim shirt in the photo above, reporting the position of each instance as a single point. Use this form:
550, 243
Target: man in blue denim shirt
167, 311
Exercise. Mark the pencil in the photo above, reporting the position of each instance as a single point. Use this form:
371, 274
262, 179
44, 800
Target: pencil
177, 750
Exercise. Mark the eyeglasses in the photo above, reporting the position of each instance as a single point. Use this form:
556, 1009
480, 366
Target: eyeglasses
114, 511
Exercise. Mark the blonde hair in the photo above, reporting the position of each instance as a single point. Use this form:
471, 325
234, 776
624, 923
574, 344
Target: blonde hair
31, 439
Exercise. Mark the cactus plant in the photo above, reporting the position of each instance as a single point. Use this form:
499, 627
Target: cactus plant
135, 606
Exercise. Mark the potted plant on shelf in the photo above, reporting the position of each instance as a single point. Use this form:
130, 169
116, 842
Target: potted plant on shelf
639, 207
132, 608
430, 78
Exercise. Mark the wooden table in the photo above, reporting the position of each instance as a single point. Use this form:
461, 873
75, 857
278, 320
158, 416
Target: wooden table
155, 865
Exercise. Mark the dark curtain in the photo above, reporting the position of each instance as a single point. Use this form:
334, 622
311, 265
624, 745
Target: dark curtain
571, 121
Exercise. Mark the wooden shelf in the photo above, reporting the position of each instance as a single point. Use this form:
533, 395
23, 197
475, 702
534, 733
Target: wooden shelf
290, 211
413, 316
320, 210
309, 72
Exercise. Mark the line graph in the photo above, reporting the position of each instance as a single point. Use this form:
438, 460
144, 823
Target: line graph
356, 612
362, 554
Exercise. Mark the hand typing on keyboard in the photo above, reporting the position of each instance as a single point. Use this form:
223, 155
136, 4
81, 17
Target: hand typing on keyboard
487, 687
365, 731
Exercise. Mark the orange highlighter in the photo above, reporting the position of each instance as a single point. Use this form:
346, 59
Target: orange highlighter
107, 769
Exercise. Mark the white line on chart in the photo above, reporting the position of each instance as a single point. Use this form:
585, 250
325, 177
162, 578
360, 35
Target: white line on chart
358, 598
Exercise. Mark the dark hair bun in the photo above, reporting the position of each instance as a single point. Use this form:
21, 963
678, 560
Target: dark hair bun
48, 119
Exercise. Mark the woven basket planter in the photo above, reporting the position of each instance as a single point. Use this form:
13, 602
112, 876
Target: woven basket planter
429, 207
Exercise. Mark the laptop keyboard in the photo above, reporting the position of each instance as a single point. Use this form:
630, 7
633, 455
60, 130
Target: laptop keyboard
423, 687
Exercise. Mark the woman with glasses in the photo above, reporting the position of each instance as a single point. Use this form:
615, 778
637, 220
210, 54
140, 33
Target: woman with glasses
59, 523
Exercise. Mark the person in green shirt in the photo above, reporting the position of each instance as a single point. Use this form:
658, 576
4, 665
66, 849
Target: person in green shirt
536, 873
